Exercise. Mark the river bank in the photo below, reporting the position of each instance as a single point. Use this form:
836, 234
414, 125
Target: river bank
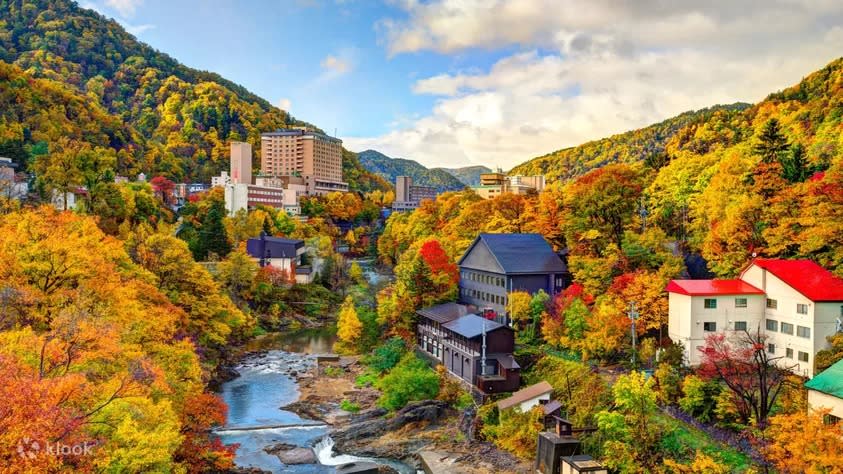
422, 429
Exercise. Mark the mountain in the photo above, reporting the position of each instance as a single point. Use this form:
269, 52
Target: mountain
645, 144
73, 73
469, 175
389, 168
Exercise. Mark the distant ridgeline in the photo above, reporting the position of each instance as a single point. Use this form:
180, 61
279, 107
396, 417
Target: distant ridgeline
389, 168
96, 83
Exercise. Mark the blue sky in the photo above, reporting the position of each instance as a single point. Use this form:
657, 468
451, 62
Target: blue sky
494, 82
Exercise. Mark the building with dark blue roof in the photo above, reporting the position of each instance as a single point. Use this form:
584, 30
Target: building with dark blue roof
497, 264
474, 349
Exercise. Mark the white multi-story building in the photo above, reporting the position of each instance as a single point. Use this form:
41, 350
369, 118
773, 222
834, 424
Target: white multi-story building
797, 304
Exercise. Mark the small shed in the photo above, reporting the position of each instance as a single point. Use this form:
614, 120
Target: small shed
825, 390
528, 397
582, 463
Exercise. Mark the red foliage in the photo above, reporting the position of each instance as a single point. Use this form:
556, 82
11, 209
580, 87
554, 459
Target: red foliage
437, 260
564, 299
200, 451
274, 276
620, 282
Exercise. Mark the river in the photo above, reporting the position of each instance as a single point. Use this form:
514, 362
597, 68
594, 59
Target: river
255, 419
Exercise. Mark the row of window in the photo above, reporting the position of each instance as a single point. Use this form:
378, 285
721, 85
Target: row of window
711, 303
483, 278
788, 353
787, 328
771, 324
800, 308
483, 296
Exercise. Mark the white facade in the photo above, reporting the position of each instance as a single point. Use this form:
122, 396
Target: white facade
236, 197
691, 318
795, 327
221, 180
818, 400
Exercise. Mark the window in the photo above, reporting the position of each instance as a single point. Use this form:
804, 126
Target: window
802, 308
709, 327
772, 325
710, 303
771, 348
802, 331
772, 304
788, 353
740, 325
803, 356
787, 328
740, 302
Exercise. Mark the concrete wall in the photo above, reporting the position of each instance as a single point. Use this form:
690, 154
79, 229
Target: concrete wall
687, 316
817, 400
787, 300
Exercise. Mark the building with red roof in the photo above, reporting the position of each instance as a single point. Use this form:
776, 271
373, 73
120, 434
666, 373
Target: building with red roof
797, 304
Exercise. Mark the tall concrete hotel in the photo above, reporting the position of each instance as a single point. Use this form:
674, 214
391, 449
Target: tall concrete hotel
315, 157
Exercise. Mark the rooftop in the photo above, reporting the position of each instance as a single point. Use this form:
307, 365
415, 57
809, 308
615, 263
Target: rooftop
471, 325
444, 313
712, 287
525, 394
829, 381
273, 247
806, 277
521, 253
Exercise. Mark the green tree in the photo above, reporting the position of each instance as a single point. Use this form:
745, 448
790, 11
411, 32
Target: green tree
412, 379
771, 142
213, 239
795, 166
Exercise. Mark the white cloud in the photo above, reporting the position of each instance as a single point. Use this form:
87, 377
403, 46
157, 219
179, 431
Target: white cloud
590, 68
126, 8
136, 29
335, 65
285, 104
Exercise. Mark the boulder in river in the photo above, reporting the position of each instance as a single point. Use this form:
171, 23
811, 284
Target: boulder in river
290, 455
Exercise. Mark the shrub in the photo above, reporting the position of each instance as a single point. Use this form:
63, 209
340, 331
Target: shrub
366, 379
349, 406
333, 372
515, 431
700, 397
387, 355
410, 380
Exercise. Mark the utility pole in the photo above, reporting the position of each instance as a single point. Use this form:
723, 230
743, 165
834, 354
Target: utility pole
483, 353
633, 315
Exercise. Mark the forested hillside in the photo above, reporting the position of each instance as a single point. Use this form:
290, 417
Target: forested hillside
469, 175
73, 73
388, 168
646, 144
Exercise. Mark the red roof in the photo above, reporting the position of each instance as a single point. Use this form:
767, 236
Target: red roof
712, 287
806, 277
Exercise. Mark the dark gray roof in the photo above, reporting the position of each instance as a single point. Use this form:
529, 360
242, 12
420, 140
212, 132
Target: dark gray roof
521, 253
506, 361
444, 313
551, 407
274, 247
471, 325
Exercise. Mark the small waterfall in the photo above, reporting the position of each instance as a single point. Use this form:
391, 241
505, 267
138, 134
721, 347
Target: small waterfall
324, 450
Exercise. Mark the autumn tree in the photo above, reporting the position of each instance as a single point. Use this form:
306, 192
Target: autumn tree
629, 434
744, 366
803, 442
349, 327
600, 204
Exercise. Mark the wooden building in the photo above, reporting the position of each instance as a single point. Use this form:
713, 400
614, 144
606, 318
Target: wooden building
463, 342
498, 264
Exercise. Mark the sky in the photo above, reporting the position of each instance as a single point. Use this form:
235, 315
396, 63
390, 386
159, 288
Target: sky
491, 82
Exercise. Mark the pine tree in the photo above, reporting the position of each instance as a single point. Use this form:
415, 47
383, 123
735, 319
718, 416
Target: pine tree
349, 327
212, 237
795, 165
771, 142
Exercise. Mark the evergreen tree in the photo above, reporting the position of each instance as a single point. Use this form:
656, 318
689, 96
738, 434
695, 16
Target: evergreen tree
795, 166
212, 236
771, 142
